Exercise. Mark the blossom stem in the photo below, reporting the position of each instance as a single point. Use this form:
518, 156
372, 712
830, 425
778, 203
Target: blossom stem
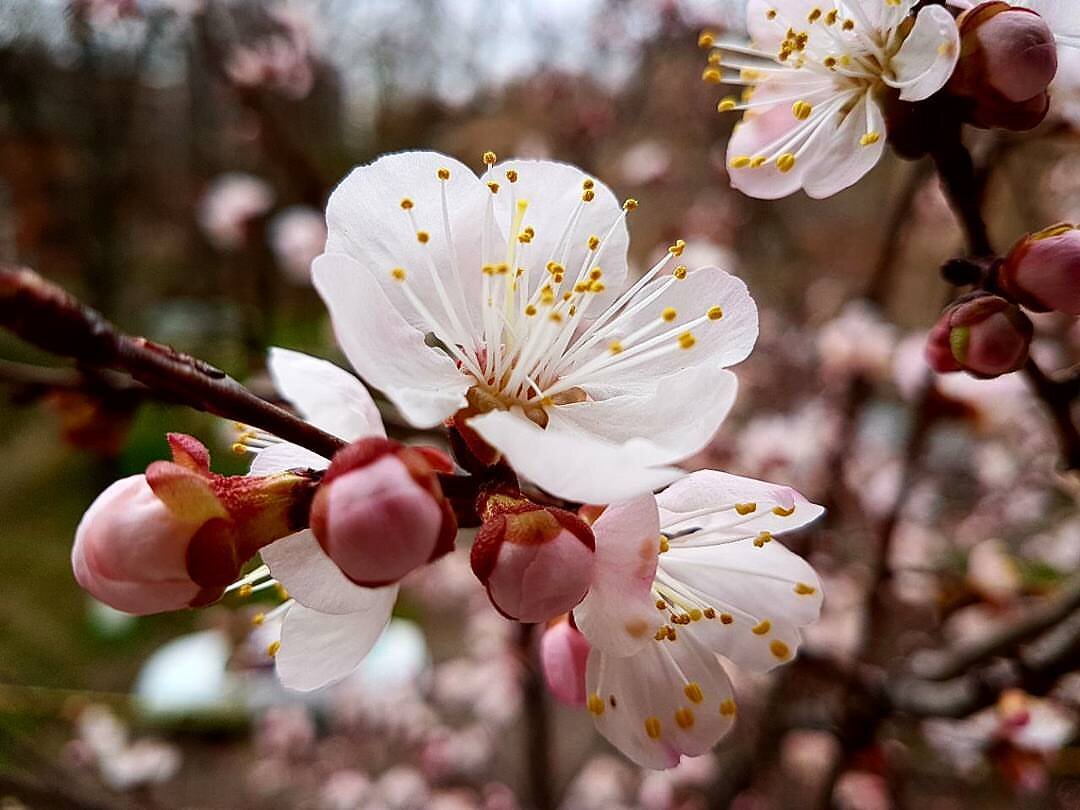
538, 744
46, 316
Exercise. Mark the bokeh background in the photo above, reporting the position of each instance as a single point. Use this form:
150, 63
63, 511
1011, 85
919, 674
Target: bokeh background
168, 161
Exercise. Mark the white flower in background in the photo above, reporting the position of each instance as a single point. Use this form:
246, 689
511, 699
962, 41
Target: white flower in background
647, 161
857, 342
229, 203
683, 578
297, 236
508, 294
329, 623
816, 75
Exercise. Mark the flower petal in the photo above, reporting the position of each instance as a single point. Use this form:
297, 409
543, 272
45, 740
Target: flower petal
572, 463
365, 221
285, 456
928, 56
313, 580
749, 140
553, 192
618, 615
680, 414
320, 648
850, 152
682, 504
718, 342
328, 397
671, 699
767, 592
423, 382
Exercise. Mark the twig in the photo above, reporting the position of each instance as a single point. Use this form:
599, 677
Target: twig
1058, 396
949, 663
48, 317
538, 735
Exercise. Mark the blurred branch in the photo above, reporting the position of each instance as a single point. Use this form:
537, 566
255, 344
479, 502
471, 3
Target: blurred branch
46, 316
538, 733
1058, 397
944, 664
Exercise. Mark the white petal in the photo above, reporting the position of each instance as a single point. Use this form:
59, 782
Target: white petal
680, 414
320, 648
711, 489
718, 343
328, 397
850, 152
285, 456
553, 190
365, 221
749, 139
618, 615
928, 56
312, 578
421, 381
574, 464
768, 591
677, 690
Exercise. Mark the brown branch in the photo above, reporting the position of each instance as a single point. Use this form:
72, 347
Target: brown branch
940, 665
1058, 396
538, 733
46, 316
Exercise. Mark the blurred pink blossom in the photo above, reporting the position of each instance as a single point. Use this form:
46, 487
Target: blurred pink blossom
647, 161
857, 342
230, 202
282, 61
297, 236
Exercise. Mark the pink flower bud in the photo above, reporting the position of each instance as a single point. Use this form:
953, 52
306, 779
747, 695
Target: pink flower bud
1008, 58
1042, 271
564, 652
130, 551
380, 511
984, 335
535, 561
176, 536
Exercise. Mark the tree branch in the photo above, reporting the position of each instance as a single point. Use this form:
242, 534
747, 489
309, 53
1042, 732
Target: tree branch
46, 316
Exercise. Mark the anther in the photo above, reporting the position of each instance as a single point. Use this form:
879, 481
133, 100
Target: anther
273, 648
422, 237
679, 272
398, 274
587, 183
678, 248
780, 511
444, 174
763, 627
669, 314
511, 175
727, 104
706, 39
406, 204
630, 204
489, 158
715, 313
588, 195
712, 75
244, 591
779, 649
869, 139
596, 704
786, 162
687, 340
745, 508
727, 707
801, 110
762, 539
594, 242
802, 589
693, 692
652, 727
684, 718
494, 187
726, 618
740, 162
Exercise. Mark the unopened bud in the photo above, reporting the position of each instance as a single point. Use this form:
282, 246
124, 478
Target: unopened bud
564, 652
1042, 271
535, 561
1008, 58
380, 512
984, 335
176, 536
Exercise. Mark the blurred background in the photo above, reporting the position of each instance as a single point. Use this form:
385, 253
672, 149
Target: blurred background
168, 161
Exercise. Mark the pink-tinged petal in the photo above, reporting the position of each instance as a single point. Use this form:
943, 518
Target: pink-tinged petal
928, 56
618, 614
572, 463
768, 31
328, 397
681, 413
563, 656
312, 579
752, 139
187, 494
552, 191
365, 221
392, 356
285, 456
318, 649
760, 593
732, 506
850, 152
671, 699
